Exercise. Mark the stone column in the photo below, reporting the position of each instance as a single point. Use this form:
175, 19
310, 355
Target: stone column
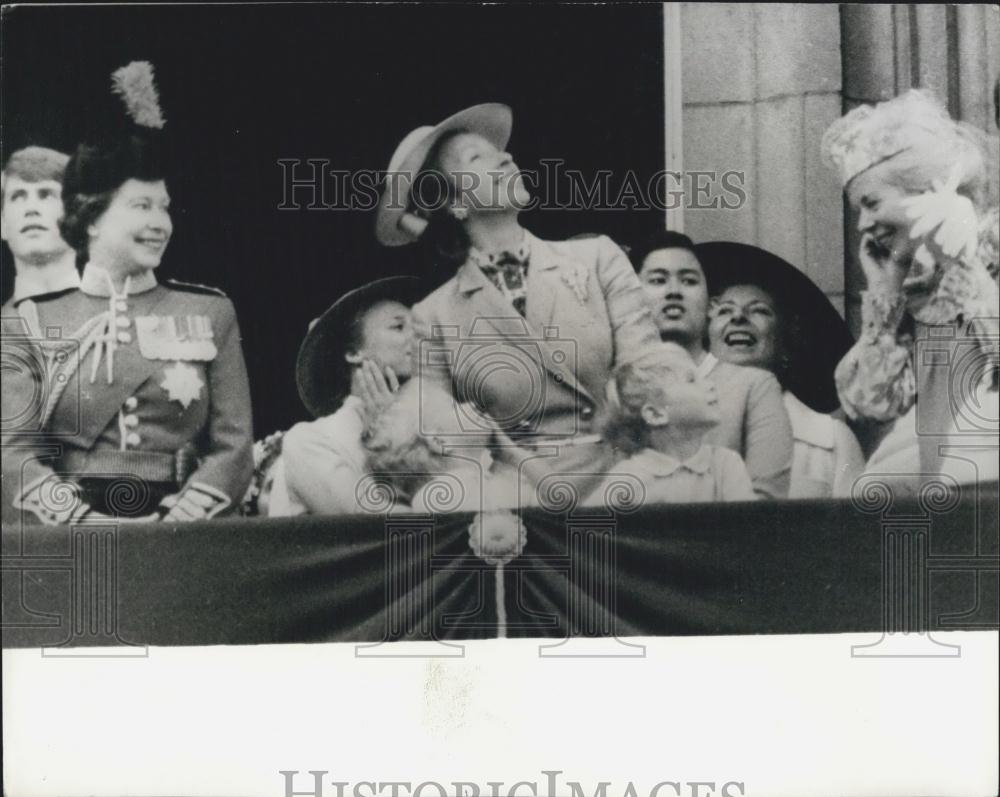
761, 82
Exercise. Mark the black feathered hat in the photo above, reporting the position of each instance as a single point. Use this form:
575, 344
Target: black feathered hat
822, 337
126, 146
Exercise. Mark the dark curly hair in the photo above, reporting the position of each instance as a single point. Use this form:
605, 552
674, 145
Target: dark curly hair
791, 343
82, 210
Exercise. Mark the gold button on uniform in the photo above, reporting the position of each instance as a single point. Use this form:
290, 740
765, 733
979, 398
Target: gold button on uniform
131, 421
131, 403
124, 337
123, 321
133, 439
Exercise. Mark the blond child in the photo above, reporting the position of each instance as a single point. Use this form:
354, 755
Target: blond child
664, 409
435, 455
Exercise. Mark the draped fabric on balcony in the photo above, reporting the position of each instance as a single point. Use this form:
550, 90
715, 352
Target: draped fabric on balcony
925, 562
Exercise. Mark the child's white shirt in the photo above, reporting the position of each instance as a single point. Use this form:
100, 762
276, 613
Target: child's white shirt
714, 473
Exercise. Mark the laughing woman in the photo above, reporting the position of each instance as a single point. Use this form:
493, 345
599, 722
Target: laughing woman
768, 314
918, 182
149, 400
528, 331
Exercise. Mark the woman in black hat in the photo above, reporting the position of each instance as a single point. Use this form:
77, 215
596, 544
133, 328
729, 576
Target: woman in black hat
526, 330
353, 359
766, 313
149, 401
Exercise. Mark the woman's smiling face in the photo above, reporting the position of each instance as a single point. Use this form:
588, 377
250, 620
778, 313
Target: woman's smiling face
743, 327
881, 213
133, 233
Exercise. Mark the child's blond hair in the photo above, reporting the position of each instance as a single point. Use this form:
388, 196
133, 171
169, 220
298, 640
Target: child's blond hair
638, 383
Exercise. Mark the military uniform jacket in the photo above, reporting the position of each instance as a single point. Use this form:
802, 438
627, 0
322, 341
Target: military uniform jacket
149, 384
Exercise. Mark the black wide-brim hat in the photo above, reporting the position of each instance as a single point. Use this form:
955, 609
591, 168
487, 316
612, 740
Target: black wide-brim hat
823, 337
322, 374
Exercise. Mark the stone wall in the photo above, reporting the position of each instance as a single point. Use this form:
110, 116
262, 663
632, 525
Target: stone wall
760, 84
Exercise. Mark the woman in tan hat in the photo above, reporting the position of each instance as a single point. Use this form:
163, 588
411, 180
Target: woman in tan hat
528, 331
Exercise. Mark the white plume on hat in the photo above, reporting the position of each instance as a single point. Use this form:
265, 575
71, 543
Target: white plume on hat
135, 85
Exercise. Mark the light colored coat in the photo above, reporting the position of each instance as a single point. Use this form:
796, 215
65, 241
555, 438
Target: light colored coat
322, 465
545, 374
754, 423
827, 458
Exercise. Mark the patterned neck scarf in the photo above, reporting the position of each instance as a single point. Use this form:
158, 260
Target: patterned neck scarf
508, 271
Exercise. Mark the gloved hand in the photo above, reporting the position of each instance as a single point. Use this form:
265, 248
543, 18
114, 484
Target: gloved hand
883, 273
186, 506
948, 212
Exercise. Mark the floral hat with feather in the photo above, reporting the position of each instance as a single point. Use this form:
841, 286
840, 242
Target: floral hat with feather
871, 134
129, 144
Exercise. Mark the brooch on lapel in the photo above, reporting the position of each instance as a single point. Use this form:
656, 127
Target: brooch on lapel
182, 383
176, 337
575, 276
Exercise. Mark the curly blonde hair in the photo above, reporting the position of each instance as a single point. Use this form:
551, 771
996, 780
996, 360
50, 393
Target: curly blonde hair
913, 141
636, 384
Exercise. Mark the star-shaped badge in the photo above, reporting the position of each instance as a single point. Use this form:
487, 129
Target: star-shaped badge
182, 383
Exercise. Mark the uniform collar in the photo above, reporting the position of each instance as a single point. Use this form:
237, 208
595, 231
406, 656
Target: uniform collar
97, 282
33, 281
660, 464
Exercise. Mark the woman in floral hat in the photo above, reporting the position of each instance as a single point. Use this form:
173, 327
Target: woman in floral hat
527, 331
926, 357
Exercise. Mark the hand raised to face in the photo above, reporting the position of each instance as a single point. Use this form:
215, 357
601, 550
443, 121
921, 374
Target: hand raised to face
883, 273
378, 386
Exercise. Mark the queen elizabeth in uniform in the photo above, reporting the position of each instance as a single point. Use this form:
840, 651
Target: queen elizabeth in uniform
140, 385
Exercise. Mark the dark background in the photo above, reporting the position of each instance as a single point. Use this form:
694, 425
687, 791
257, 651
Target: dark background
242, 86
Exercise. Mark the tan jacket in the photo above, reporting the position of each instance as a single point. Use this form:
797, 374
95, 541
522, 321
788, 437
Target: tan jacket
544, 376
754, 423
547, 373
827, 458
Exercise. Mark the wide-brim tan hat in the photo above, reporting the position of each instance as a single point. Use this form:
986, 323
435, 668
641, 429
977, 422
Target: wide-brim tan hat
395, 225
322, 374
